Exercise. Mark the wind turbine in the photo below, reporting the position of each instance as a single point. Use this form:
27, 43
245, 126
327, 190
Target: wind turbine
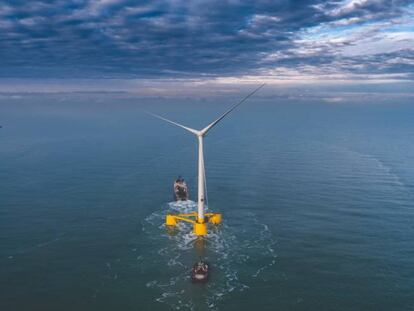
200, 221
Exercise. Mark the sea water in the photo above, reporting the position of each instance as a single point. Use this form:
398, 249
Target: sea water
317, 204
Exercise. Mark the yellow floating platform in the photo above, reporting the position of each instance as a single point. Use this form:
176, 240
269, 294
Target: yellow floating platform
200, 228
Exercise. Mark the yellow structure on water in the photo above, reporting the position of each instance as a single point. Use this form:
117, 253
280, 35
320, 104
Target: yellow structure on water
199, 228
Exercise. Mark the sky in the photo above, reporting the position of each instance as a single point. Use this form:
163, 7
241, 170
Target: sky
159, 46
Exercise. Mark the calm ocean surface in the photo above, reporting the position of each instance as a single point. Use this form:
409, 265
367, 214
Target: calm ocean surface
317, 202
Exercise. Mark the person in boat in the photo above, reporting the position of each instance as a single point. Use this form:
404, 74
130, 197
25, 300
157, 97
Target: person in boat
201, 266
200, 270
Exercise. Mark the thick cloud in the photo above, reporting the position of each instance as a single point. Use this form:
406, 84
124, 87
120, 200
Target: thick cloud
177, 38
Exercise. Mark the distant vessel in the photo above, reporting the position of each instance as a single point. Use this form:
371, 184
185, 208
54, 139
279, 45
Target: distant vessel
200, 271
180, 189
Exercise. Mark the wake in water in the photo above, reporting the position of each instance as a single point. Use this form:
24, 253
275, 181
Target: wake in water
232, 253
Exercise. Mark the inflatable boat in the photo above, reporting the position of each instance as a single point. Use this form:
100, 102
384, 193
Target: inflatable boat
200, 271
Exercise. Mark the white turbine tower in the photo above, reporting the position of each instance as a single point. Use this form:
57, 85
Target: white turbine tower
200, 219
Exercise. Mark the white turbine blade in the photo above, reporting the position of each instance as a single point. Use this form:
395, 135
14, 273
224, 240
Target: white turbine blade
175, 123
208, 127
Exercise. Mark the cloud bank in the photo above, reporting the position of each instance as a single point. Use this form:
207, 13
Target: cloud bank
224, 40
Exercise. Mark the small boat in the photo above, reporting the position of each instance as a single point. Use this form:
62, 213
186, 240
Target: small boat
180, 189
199, 272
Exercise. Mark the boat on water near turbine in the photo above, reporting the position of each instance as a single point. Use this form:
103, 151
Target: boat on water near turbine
200, 271
180, 189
